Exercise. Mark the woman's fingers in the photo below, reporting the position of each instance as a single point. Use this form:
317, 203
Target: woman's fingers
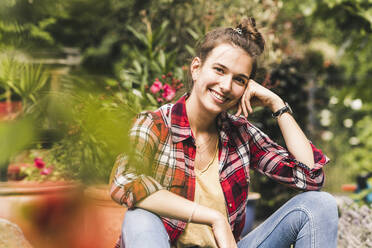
239, 110
223, 234
244, 107
248, 104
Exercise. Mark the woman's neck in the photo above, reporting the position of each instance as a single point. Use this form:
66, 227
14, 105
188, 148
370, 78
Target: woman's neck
201, 121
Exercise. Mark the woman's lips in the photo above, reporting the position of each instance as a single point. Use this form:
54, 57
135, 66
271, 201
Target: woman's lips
218, 97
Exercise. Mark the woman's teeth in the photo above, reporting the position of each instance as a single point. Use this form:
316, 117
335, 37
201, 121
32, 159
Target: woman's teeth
219, 97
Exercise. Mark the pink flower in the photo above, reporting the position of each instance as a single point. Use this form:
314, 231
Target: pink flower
46, 171
168, 92
156, 86
39, 163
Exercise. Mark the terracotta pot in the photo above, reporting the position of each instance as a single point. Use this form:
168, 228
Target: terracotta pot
103, 218
9, 110
48, 213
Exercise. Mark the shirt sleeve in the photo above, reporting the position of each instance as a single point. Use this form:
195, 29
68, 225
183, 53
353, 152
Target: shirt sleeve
276, 162
132, 182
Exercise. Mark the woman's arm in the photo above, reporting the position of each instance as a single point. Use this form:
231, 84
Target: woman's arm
297, 143
168, 204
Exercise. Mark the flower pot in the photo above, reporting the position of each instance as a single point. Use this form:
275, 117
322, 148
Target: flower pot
103, 218
9, 110
47, 213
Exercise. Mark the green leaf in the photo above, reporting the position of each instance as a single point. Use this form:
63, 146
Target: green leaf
194, 35
162, 60
152, 99
14, 136
139, 36
137, 66
190, 50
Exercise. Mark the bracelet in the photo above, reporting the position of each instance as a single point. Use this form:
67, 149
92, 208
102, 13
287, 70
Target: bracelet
192, 213
285, 109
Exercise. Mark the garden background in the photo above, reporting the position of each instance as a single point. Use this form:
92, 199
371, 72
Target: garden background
73, 74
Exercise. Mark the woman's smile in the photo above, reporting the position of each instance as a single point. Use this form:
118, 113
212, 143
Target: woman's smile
219, 98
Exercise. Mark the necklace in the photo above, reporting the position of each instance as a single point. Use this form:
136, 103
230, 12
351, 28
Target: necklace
205, 145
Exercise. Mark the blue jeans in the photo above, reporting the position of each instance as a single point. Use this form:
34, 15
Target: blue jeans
309, 219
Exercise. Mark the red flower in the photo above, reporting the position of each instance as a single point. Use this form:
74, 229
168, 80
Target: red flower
46, 171
39, 163
168, 92
156, 86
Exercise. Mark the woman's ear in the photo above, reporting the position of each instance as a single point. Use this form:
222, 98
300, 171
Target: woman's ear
195, 68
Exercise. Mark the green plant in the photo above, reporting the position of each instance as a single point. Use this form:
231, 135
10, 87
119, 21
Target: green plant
359, 158
94, 125
147, 60
23, 79
37, 165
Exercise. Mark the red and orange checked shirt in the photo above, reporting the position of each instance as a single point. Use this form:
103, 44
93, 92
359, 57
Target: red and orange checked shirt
164, 143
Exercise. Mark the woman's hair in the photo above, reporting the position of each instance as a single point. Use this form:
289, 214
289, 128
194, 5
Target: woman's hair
245, 36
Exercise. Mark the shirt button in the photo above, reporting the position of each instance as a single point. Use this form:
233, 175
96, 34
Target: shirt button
230, 205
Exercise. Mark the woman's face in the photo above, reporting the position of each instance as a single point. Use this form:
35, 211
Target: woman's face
220, 82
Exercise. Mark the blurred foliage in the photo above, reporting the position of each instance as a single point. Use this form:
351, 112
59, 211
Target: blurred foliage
93, 131
360, 156
15, 136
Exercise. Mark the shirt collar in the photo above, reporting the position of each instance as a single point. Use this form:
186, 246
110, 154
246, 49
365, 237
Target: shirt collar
180, 125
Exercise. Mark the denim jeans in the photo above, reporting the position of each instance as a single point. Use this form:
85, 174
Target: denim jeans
309, 219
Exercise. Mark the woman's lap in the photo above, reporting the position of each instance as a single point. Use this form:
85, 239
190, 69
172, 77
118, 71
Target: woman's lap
308, 219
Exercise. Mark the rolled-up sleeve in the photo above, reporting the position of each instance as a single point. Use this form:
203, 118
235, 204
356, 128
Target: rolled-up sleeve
276, 162
130, 183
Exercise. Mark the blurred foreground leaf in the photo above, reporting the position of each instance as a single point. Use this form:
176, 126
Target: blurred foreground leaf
14, 136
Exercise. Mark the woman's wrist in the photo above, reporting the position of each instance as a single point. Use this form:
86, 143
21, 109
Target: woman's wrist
205, 215
276, 104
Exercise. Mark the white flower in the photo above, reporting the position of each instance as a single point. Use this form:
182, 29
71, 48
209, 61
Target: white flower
356, 104
327, 135
325, 122
137, 93
347, 101
348, 123
333, 100
325, 117
354, 141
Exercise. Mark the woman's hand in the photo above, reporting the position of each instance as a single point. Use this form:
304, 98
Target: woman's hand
257, 95
222, 233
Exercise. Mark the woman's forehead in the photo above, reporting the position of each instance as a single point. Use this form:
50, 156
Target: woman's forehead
232, 57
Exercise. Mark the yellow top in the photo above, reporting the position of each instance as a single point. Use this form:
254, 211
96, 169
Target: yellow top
208, 192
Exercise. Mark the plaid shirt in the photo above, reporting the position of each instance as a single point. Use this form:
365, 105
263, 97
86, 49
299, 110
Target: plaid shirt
164, 141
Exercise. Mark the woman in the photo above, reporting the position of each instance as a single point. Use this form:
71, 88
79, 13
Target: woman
195, 161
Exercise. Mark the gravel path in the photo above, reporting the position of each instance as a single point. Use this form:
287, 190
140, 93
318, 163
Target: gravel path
355, 224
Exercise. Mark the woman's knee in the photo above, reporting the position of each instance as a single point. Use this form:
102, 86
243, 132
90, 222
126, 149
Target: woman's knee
319, 203
142, 228
139, 220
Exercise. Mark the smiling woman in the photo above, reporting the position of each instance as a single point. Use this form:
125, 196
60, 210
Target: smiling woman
187, 183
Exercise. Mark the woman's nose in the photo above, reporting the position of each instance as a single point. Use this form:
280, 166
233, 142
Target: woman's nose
226, 83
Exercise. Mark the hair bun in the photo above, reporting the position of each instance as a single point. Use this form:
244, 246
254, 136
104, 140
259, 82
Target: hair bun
249, 30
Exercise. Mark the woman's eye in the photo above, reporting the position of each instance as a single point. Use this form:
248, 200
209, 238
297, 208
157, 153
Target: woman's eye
240, 80
220, 70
